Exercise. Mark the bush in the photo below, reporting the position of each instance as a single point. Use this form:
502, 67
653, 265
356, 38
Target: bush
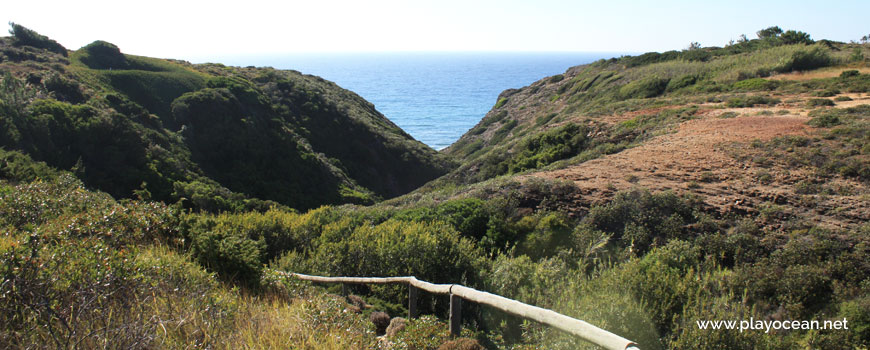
791, 37
803, 60
754, 84
824, 121
751, 101
28, 37
849, 73
642, 220
547, 147
104, 55
681, 82
232, 254
644, 88
819, 102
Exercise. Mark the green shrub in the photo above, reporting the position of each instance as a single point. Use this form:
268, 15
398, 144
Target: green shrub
500, 102
226, 250
547, 147
682, 82
819, 102
791, 37
644, 88
18, 167
826, 93
803, 60
751, 101
824, 121
641, 219
842, 98
469, 216
754, 84
103, 55
28, 37
433, 252
849, 73
857, 312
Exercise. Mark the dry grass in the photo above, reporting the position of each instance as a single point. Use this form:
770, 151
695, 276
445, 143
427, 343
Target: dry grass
822, 73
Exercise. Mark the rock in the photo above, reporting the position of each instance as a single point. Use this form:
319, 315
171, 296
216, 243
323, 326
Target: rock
381, 320
397, 324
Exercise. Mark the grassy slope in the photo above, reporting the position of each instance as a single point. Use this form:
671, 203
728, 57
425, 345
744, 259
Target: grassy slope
643, 264
221, 137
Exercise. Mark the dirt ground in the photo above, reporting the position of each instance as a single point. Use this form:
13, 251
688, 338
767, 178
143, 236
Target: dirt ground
700, 157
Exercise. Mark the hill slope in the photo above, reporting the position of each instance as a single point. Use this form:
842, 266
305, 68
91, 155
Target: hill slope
697, 121
224, 138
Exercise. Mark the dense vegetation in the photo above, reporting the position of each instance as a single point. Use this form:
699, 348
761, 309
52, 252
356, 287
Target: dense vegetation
218, 138
736, 73
149, 203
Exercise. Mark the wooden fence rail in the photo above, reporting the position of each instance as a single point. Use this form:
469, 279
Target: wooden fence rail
571, 325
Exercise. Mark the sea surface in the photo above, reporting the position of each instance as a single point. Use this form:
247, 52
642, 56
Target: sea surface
435, 97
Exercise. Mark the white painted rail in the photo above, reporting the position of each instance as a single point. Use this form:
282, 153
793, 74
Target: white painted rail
568, 324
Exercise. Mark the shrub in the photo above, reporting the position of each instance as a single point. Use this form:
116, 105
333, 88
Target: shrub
233, 255
104, 55
28, 37
681, 82
547, 147
641, 220
802, 60
644, 88
842, 98
849, 73
750, 101
824, 121
500, 102
826, 93
791, 37
819, 102
755, 84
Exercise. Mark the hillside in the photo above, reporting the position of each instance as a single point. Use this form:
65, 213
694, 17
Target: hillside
641, 194
222, 138
710, 121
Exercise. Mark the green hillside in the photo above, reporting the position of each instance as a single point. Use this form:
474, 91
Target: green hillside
220, 138
149, 203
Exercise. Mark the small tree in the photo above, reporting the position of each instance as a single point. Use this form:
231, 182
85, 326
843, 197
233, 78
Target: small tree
694, 46
742, 38
865, 39
28, 37
769, 32
796, 37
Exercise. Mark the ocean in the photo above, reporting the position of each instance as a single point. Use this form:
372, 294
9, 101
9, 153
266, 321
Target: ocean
435, 97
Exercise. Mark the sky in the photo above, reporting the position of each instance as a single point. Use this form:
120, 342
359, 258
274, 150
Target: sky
202, 30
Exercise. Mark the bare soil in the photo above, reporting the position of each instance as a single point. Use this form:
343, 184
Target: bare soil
702, 156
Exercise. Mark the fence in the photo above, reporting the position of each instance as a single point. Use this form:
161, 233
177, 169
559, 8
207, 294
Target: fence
457, 292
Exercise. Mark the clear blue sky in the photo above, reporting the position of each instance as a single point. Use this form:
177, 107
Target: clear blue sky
199, 30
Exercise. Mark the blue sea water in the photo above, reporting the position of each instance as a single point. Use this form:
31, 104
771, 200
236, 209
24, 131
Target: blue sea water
435, 97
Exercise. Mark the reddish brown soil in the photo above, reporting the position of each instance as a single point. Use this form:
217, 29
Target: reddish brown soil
701, 156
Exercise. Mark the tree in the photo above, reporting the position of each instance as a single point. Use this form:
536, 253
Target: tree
865, 39
742, 38
29, 37
694, 46
796, 37
769, 32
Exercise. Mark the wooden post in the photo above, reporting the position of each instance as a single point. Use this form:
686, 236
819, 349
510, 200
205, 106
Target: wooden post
412, 302
344, 292
455, 315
